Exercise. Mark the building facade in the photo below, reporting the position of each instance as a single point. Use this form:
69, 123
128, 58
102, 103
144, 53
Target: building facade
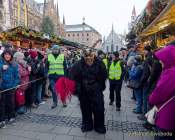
114, 42
84, 34
26, 13
5, 14
29, 13
48, 8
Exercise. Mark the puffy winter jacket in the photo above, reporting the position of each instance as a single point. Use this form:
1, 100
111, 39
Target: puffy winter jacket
8, 78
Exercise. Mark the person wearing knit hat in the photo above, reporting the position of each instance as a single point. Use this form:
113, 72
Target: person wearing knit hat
33, 54
18, 55
116, 71
24, 72
138, 58
56, 67
147, 48
35, 69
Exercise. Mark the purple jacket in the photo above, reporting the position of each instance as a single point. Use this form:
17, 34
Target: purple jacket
165, 89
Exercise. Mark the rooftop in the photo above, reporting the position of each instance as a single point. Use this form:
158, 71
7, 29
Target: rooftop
80, 28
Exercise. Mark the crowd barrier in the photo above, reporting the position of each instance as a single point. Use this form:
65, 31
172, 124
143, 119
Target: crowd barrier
21, 85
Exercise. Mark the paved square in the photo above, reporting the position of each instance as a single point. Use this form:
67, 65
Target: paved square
64, 123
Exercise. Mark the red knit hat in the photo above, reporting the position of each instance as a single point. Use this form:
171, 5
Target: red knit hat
33, 54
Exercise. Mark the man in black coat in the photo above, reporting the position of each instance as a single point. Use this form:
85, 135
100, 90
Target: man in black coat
147, 65
90, 75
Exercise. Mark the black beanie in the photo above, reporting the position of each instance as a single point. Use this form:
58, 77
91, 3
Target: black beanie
116, 54
100, 52
148, 48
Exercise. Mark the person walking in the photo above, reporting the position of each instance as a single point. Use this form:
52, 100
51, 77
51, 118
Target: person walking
115, 80
56, 66
90, 75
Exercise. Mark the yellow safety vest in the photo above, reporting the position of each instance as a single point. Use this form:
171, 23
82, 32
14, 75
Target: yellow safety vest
115, 72
105, 61
56, 65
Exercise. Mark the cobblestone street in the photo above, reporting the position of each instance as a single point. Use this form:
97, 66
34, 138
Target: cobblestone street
64, 123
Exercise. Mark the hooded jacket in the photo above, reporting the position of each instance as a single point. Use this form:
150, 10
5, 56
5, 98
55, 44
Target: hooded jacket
136, 71
165, 89
8, 78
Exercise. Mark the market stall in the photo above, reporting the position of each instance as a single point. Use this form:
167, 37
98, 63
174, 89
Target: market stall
156, 25
27, 38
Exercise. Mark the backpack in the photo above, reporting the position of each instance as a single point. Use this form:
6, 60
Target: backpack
19, 98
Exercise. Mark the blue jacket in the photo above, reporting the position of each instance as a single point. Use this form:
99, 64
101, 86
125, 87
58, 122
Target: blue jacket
8, 78
136, 72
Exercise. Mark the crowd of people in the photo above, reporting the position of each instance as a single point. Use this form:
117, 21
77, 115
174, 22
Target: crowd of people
24, 75
32, 73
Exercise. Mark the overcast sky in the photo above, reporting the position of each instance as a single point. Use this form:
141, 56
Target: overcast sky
100, 14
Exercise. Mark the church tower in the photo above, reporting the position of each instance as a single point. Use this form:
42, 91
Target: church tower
133, 18
134, 15
52, 10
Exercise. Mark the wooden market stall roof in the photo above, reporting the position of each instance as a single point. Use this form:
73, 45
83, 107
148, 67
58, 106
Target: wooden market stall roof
19, 33
162, 21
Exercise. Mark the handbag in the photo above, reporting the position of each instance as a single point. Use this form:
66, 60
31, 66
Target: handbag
133, 84
151, 115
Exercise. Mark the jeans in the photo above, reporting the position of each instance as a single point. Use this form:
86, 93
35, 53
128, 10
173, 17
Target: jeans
52, 88
145, 99
39, 92
139, 99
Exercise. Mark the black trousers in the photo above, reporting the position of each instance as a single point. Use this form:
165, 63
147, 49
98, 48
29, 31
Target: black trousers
92, 108
30, 94
115, 87
7, 105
